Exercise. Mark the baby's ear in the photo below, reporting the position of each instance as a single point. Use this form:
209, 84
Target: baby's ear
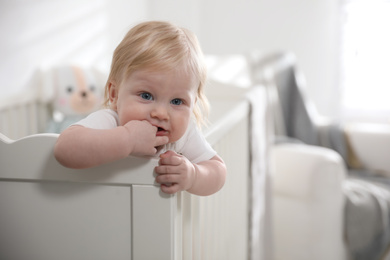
113, 94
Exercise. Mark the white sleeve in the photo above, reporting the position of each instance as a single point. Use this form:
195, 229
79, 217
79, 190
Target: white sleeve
101, 119
194, 145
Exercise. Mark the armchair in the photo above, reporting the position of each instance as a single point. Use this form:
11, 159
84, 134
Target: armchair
329, 199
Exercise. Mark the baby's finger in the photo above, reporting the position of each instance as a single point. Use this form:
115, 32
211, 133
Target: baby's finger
168, 153
167, 178
148, 152
166, 169
171, 189
170, 158
161, 140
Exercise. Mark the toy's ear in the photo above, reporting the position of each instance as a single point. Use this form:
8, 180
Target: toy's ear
99, 75
45, 77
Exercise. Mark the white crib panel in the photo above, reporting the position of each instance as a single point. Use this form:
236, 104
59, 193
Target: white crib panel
64, 221
213, 227
153, 223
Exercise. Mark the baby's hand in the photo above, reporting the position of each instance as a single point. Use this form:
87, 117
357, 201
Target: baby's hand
175, 172
143, 139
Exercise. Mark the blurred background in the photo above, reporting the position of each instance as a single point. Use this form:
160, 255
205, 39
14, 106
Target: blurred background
341, 45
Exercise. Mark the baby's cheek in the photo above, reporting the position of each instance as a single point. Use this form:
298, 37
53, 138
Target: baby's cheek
179, 132
123, 119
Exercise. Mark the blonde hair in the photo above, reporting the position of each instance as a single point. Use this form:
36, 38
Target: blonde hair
159, 45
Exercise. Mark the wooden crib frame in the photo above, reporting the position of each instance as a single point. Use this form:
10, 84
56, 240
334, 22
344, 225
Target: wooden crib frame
116, 211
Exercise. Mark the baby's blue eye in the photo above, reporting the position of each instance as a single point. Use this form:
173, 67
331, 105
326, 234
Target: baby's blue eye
177, 102
146, 96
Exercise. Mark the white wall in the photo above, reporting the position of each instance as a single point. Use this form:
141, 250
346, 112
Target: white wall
37, 34
41, 33
306, 27
122, 15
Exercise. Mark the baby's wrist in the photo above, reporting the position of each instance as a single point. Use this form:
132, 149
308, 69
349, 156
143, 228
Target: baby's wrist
194, 177
127, 145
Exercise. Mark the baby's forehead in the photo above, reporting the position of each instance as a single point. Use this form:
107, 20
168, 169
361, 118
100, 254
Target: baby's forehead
156, 74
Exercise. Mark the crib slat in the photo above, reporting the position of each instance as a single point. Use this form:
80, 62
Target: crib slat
187, 228
4, 122
178, 227
21, 115
32, 117
196, 229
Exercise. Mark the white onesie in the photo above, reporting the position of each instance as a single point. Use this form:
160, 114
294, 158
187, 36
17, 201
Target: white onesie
192, 144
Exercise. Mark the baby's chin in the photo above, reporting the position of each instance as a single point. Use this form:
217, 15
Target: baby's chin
159, 148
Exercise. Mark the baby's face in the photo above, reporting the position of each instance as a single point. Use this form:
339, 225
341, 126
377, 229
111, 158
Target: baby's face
165, 99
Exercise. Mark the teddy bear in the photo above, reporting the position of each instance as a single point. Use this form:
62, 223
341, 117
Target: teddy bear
76, 92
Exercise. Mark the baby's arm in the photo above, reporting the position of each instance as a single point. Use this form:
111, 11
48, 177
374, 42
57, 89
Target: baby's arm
80, 147
176, 173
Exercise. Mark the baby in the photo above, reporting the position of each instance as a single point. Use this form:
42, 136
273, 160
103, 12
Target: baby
154, 98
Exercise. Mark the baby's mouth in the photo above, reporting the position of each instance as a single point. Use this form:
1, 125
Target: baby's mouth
161, 131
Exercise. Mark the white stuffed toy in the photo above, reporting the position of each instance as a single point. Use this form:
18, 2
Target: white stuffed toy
76, 92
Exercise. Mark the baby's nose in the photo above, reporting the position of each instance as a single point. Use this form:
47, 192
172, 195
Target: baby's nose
84, 94
160, 112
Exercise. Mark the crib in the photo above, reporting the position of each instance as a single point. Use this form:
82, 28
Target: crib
116, 211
